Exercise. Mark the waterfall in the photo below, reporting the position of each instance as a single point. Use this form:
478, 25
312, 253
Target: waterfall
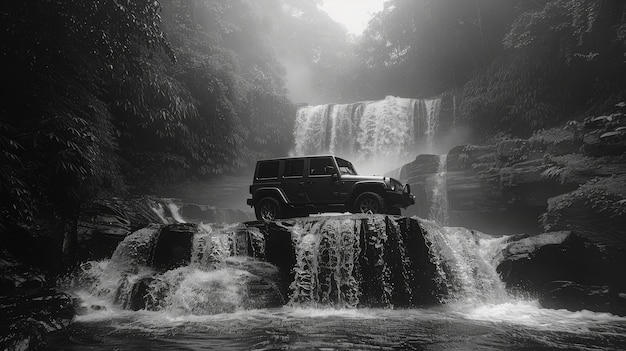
439, 202
393, 129
433, 107
344, 128
171, 216
311, 129
225, 274
466, 262
175, 211
160, 211
340, 261
326, 255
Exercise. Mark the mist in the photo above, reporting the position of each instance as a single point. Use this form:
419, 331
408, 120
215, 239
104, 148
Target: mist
299, 82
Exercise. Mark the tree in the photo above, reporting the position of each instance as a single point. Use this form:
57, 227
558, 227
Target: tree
422, 48
561, 56
57, 137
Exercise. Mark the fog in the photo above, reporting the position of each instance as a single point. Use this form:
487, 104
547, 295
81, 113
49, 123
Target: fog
299, 82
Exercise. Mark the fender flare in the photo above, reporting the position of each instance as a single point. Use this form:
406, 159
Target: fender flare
265, 191
364, 186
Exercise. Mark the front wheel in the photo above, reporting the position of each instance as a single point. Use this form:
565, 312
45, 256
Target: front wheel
369, 203
267, 209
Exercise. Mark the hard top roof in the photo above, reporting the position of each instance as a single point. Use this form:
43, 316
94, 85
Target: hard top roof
296, 157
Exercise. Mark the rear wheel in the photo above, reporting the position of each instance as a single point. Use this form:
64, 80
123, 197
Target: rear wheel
369, 203
267, 209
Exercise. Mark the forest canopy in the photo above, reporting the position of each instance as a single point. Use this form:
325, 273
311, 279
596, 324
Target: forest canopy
130, 96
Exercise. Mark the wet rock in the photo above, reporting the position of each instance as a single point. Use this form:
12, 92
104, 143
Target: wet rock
508, 186
26, 319
576, 297
173, 246
388, 259
36, 246
139, 298
263, 284
211, 214
494, 189
104, 223
596, 211
16, 276
421, 174
566, 270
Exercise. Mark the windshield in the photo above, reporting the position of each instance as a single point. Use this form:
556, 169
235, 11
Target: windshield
345, 167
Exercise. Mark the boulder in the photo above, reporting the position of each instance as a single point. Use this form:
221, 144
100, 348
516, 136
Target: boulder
104, 223
566, 270
16, 276
26, 319
596, 211
573, 296
173, 246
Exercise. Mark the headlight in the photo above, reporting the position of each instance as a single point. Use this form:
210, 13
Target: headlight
395, 185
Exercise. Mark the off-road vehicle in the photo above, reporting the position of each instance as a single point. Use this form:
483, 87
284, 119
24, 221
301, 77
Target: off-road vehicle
299, 186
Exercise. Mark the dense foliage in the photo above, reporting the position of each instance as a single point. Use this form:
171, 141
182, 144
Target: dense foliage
562, 56
106, 97
517, 65
422, 48
61, 62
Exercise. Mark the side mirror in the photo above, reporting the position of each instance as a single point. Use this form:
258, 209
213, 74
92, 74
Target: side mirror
335, 177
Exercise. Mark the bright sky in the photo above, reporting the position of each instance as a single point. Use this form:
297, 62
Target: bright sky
354, 14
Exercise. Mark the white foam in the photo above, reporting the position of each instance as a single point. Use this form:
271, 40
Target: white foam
529, 313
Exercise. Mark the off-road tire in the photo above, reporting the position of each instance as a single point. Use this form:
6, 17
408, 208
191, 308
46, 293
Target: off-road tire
268, 209
369, 202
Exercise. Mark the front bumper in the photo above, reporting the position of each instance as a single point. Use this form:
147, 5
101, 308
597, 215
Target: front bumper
397, 199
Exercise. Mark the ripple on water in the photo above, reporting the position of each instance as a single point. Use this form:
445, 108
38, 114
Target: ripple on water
498, 327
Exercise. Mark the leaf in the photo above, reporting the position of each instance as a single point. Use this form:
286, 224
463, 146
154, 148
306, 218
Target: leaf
610, 134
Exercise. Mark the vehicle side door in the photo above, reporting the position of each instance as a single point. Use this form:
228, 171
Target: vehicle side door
322, 185
293, 180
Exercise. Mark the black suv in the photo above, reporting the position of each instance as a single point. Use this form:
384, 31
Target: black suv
296, 186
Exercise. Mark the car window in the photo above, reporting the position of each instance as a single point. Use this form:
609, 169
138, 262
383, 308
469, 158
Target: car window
294, 168
345, 167
268, 169
321, 166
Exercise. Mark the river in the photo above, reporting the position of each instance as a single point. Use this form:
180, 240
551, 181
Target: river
509, 326
211, 303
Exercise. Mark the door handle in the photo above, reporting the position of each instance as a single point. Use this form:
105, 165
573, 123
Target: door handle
301, 183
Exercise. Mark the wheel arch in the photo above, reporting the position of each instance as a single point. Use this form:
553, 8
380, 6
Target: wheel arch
269, 192
363, 187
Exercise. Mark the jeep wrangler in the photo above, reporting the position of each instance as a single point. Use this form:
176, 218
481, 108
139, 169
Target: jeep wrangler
299, 186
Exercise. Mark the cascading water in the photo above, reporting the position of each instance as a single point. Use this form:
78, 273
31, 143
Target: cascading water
433, 107
175, 211
311, 129
158, 209
223, 266
222, 296
393, 129
466, 262
439, 199
326, 256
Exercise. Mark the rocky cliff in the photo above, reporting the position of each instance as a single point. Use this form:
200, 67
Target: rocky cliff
567, 178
